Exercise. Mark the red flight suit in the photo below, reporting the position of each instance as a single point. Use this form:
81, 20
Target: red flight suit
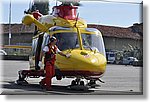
49, 62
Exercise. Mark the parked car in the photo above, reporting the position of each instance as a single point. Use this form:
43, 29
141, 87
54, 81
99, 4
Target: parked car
110, 57
129, 60
138, 63
2, 52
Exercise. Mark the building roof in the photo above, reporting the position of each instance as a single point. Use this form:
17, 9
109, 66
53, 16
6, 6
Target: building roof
137, 28
107, 31
118, 32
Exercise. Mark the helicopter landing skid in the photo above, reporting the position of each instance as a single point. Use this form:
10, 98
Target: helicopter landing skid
21, 82
82, 88
23, 74
77, 84
94, 86
78, 87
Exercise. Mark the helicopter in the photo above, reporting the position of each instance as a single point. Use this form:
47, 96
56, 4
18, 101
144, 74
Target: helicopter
85, 45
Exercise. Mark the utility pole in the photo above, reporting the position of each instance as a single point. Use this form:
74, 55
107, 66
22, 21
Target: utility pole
9, 22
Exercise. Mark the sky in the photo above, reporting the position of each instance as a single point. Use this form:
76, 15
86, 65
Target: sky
94, 12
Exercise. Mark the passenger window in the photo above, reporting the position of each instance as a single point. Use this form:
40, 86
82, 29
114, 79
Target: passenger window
45, 40
34, 45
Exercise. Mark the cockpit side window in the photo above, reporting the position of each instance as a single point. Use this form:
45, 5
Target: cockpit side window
67, 40
93, 42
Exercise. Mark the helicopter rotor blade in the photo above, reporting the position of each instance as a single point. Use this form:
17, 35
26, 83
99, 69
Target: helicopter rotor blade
71, 2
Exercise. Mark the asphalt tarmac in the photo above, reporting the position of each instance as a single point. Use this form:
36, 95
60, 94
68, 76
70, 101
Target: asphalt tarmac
119, 80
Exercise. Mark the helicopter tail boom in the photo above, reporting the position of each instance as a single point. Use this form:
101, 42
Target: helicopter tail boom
29, 19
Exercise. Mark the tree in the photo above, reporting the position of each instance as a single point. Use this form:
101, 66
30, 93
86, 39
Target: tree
41, 5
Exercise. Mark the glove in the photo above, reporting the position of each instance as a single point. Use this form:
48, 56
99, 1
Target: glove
68, 55
40, 64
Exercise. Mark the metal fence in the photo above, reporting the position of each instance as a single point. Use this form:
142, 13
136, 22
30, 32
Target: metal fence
17, 50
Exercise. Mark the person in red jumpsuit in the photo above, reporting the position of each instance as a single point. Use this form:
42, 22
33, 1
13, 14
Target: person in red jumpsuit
50, 52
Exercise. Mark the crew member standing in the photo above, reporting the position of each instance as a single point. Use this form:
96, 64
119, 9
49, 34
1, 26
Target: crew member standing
50, 52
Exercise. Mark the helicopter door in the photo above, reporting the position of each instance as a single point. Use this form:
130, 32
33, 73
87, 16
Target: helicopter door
38, 50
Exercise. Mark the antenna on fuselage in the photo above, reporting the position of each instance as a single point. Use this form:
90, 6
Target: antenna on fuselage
56, 2
76, 20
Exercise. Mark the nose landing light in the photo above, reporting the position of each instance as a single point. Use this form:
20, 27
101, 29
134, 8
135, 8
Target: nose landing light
93, 60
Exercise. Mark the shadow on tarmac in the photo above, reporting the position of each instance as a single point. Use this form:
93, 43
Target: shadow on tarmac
36, 89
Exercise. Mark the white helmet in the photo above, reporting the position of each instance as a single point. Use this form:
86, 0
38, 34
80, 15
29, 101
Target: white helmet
52, 39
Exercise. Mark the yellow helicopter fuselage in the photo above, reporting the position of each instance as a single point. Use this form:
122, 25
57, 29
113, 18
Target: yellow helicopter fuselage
84, 61
81, 63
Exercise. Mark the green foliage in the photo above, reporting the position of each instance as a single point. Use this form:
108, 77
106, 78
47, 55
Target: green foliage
41, 5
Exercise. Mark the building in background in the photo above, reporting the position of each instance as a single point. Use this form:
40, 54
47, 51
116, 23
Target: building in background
115, 38
21, 34
119, 38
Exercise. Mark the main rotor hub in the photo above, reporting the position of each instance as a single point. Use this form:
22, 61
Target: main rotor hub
65, 12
